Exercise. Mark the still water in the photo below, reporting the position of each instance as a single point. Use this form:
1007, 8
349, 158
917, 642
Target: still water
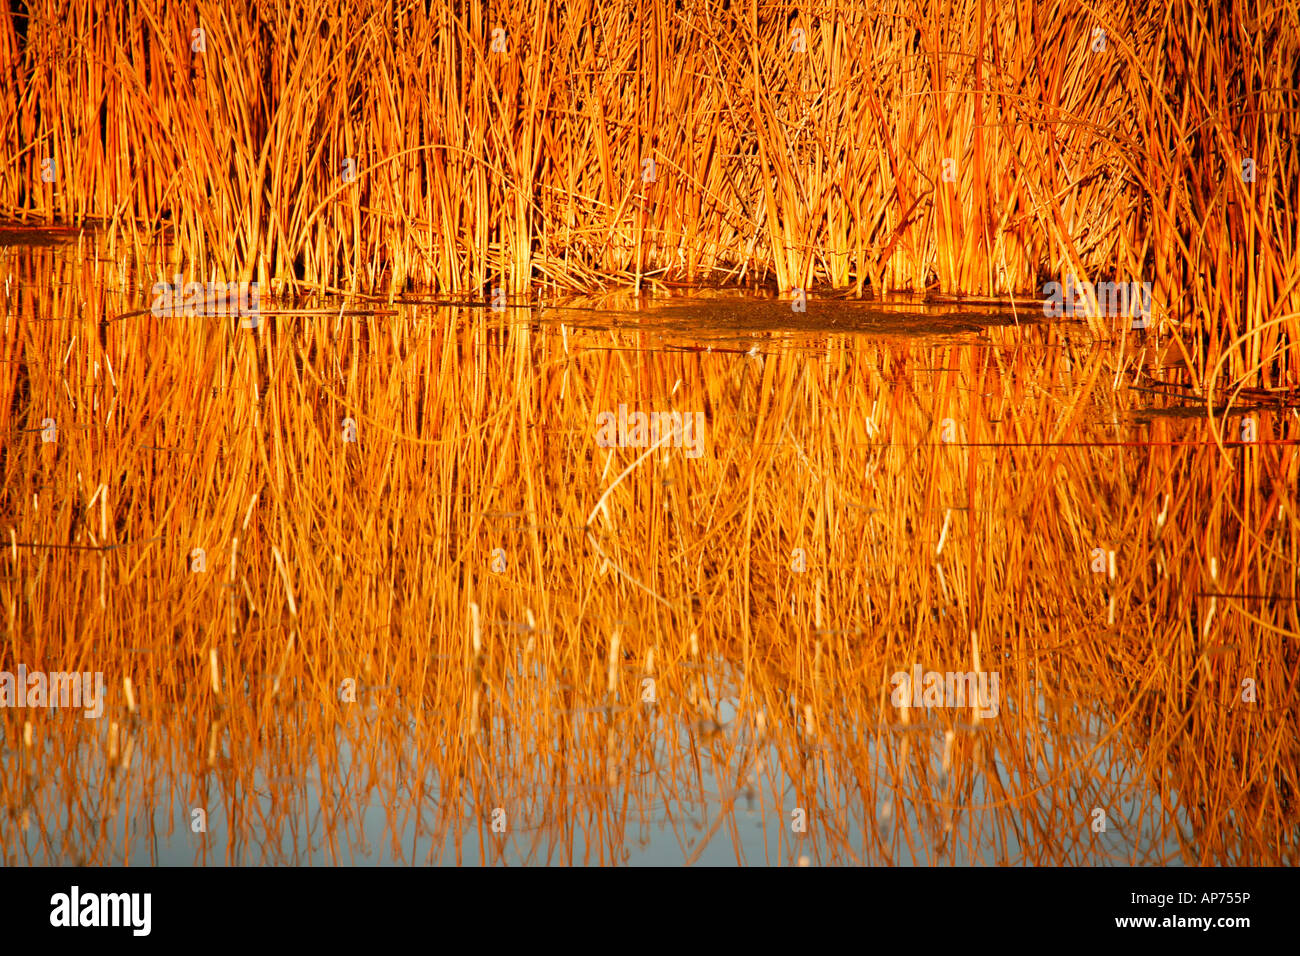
690, 578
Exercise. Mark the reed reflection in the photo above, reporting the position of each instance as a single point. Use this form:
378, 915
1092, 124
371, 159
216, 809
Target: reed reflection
466, 630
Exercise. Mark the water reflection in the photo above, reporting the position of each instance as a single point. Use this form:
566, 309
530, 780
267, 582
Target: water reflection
477, 634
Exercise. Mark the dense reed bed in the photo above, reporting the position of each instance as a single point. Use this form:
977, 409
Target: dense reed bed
973, 147
500, 588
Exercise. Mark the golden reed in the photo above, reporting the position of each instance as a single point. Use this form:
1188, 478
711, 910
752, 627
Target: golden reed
983, 147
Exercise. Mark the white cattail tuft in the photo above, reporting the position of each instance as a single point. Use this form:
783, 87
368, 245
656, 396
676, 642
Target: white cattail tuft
215, 674
612, 677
